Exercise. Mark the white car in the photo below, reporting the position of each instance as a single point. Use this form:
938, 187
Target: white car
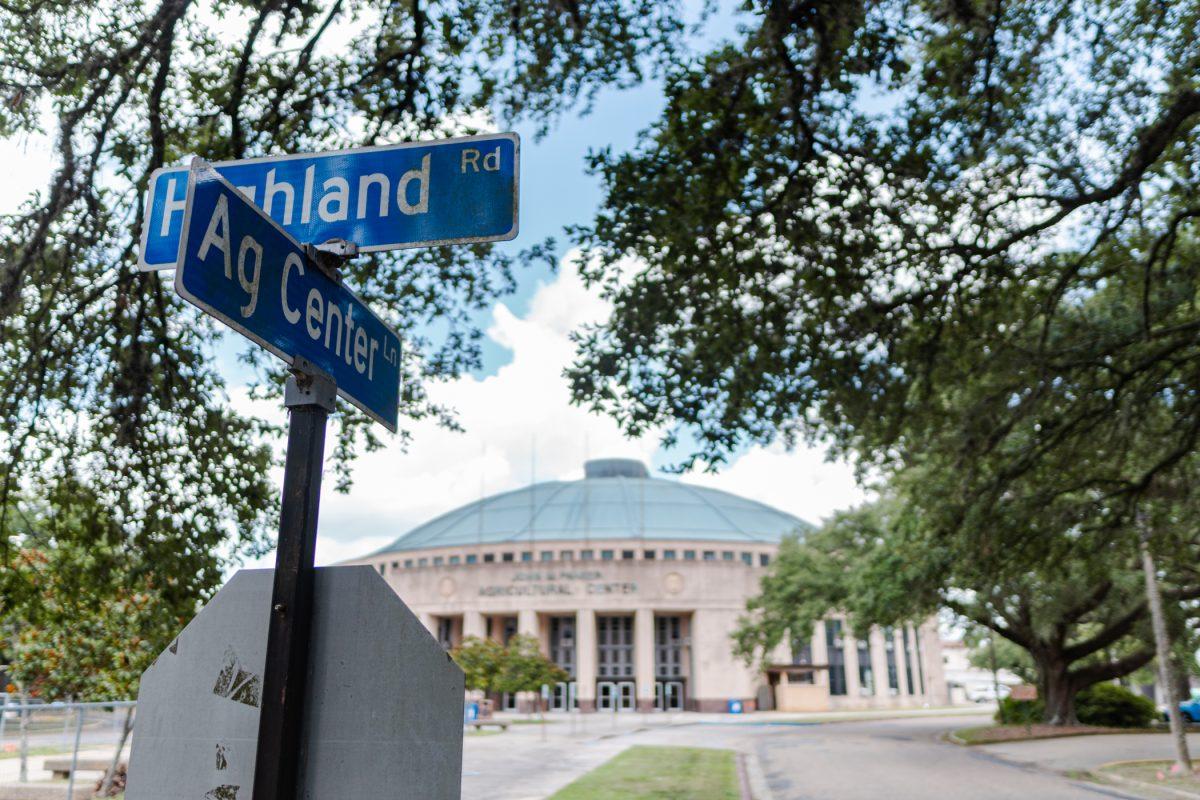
985, 693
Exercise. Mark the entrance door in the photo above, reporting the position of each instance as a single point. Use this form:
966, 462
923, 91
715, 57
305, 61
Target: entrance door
668, 695
563, 696
606, 696
626, 696
615, 696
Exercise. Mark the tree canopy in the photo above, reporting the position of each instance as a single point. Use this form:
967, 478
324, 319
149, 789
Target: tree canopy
896, 222
102, 366
1081, 619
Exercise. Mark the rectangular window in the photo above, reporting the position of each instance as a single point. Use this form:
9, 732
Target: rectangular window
764, 560
562, 643
507, 557
920, 660
648, 555
437, 561
627, 555
488, 558
748, 559
395, 565
908, 661
606, 555
802, 651
689, 555
710, 555
472, 558
547, 555
837, 657
382, 568
614, 647
866, 675
727, 556
668, 647
422, 562
454, 559
527, 556
889, 647
445, 632
408, 562
668, 555
566, 555
586, 555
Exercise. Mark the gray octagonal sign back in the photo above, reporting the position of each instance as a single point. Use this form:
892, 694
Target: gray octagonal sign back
383, 716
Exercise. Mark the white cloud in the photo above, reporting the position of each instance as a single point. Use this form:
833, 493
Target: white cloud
801, 482
519, 424
29, 163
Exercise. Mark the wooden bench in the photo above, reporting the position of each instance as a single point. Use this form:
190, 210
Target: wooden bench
61, 767
480, 724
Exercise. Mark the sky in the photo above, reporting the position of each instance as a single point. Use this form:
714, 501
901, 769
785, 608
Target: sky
518, 422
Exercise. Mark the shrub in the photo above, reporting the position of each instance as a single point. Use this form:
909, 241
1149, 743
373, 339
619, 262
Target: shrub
1020, 712
1113, 706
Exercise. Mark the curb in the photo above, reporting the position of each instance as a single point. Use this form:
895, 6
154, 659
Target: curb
1096, 775
754, 779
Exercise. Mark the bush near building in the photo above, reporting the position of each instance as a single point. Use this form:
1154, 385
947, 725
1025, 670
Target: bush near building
1114, 706
1103, 705
1020, 712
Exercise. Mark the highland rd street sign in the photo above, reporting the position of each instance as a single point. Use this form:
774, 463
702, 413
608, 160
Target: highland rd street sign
419, 194
240, 266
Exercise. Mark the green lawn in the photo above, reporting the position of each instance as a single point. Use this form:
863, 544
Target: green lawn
49, 750
660, 773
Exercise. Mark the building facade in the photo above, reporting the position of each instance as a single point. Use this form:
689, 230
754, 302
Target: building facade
634, 585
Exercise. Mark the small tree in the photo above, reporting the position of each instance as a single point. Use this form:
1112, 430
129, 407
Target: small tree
481, 661
525, 669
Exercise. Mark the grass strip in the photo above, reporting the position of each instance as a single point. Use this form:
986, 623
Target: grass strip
660, 773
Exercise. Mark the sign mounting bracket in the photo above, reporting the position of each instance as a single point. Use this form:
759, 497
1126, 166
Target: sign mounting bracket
331, 256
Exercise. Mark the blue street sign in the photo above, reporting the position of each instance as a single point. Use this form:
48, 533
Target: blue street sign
240, 266
380, 198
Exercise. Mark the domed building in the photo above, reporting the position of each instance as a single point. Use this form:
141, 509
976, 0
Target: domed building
633, 585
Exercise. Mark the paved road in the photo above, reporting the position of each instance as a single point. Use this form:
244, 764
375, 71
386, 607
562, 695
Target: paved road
1086, 752
898, 759
901, 760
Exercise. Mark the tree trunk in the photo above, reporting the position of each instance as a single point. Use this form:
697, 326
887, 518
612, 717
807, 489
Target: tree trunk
1057, 692
111, 775
1162, 645
24, 712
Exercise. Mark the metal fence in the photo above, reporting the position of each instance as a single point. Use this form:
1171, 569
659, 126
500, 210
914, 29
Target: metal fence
61, 731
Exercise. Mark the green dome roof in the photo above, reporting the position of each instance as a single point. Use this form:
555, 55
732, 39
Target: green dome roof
616, 500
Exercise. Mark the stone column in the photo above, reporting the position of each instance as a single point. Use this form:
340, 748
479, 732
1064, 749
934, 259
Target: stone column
917, 657
585, 659
430, 624
527, 622
527, 625
901, 663
820, 655
879, 663
473, 624
643, 657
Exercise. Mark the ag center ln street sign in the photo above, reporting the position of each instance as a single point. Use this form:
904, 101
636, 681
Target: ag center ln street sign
240, 266
419, 194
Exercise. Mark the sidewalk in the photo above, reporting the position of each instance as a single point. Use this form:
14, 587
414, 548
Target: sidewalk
1085, 753
10, 768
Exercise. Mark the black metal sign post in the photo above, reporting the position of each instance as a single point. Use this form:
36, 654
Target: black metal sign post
309, 397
